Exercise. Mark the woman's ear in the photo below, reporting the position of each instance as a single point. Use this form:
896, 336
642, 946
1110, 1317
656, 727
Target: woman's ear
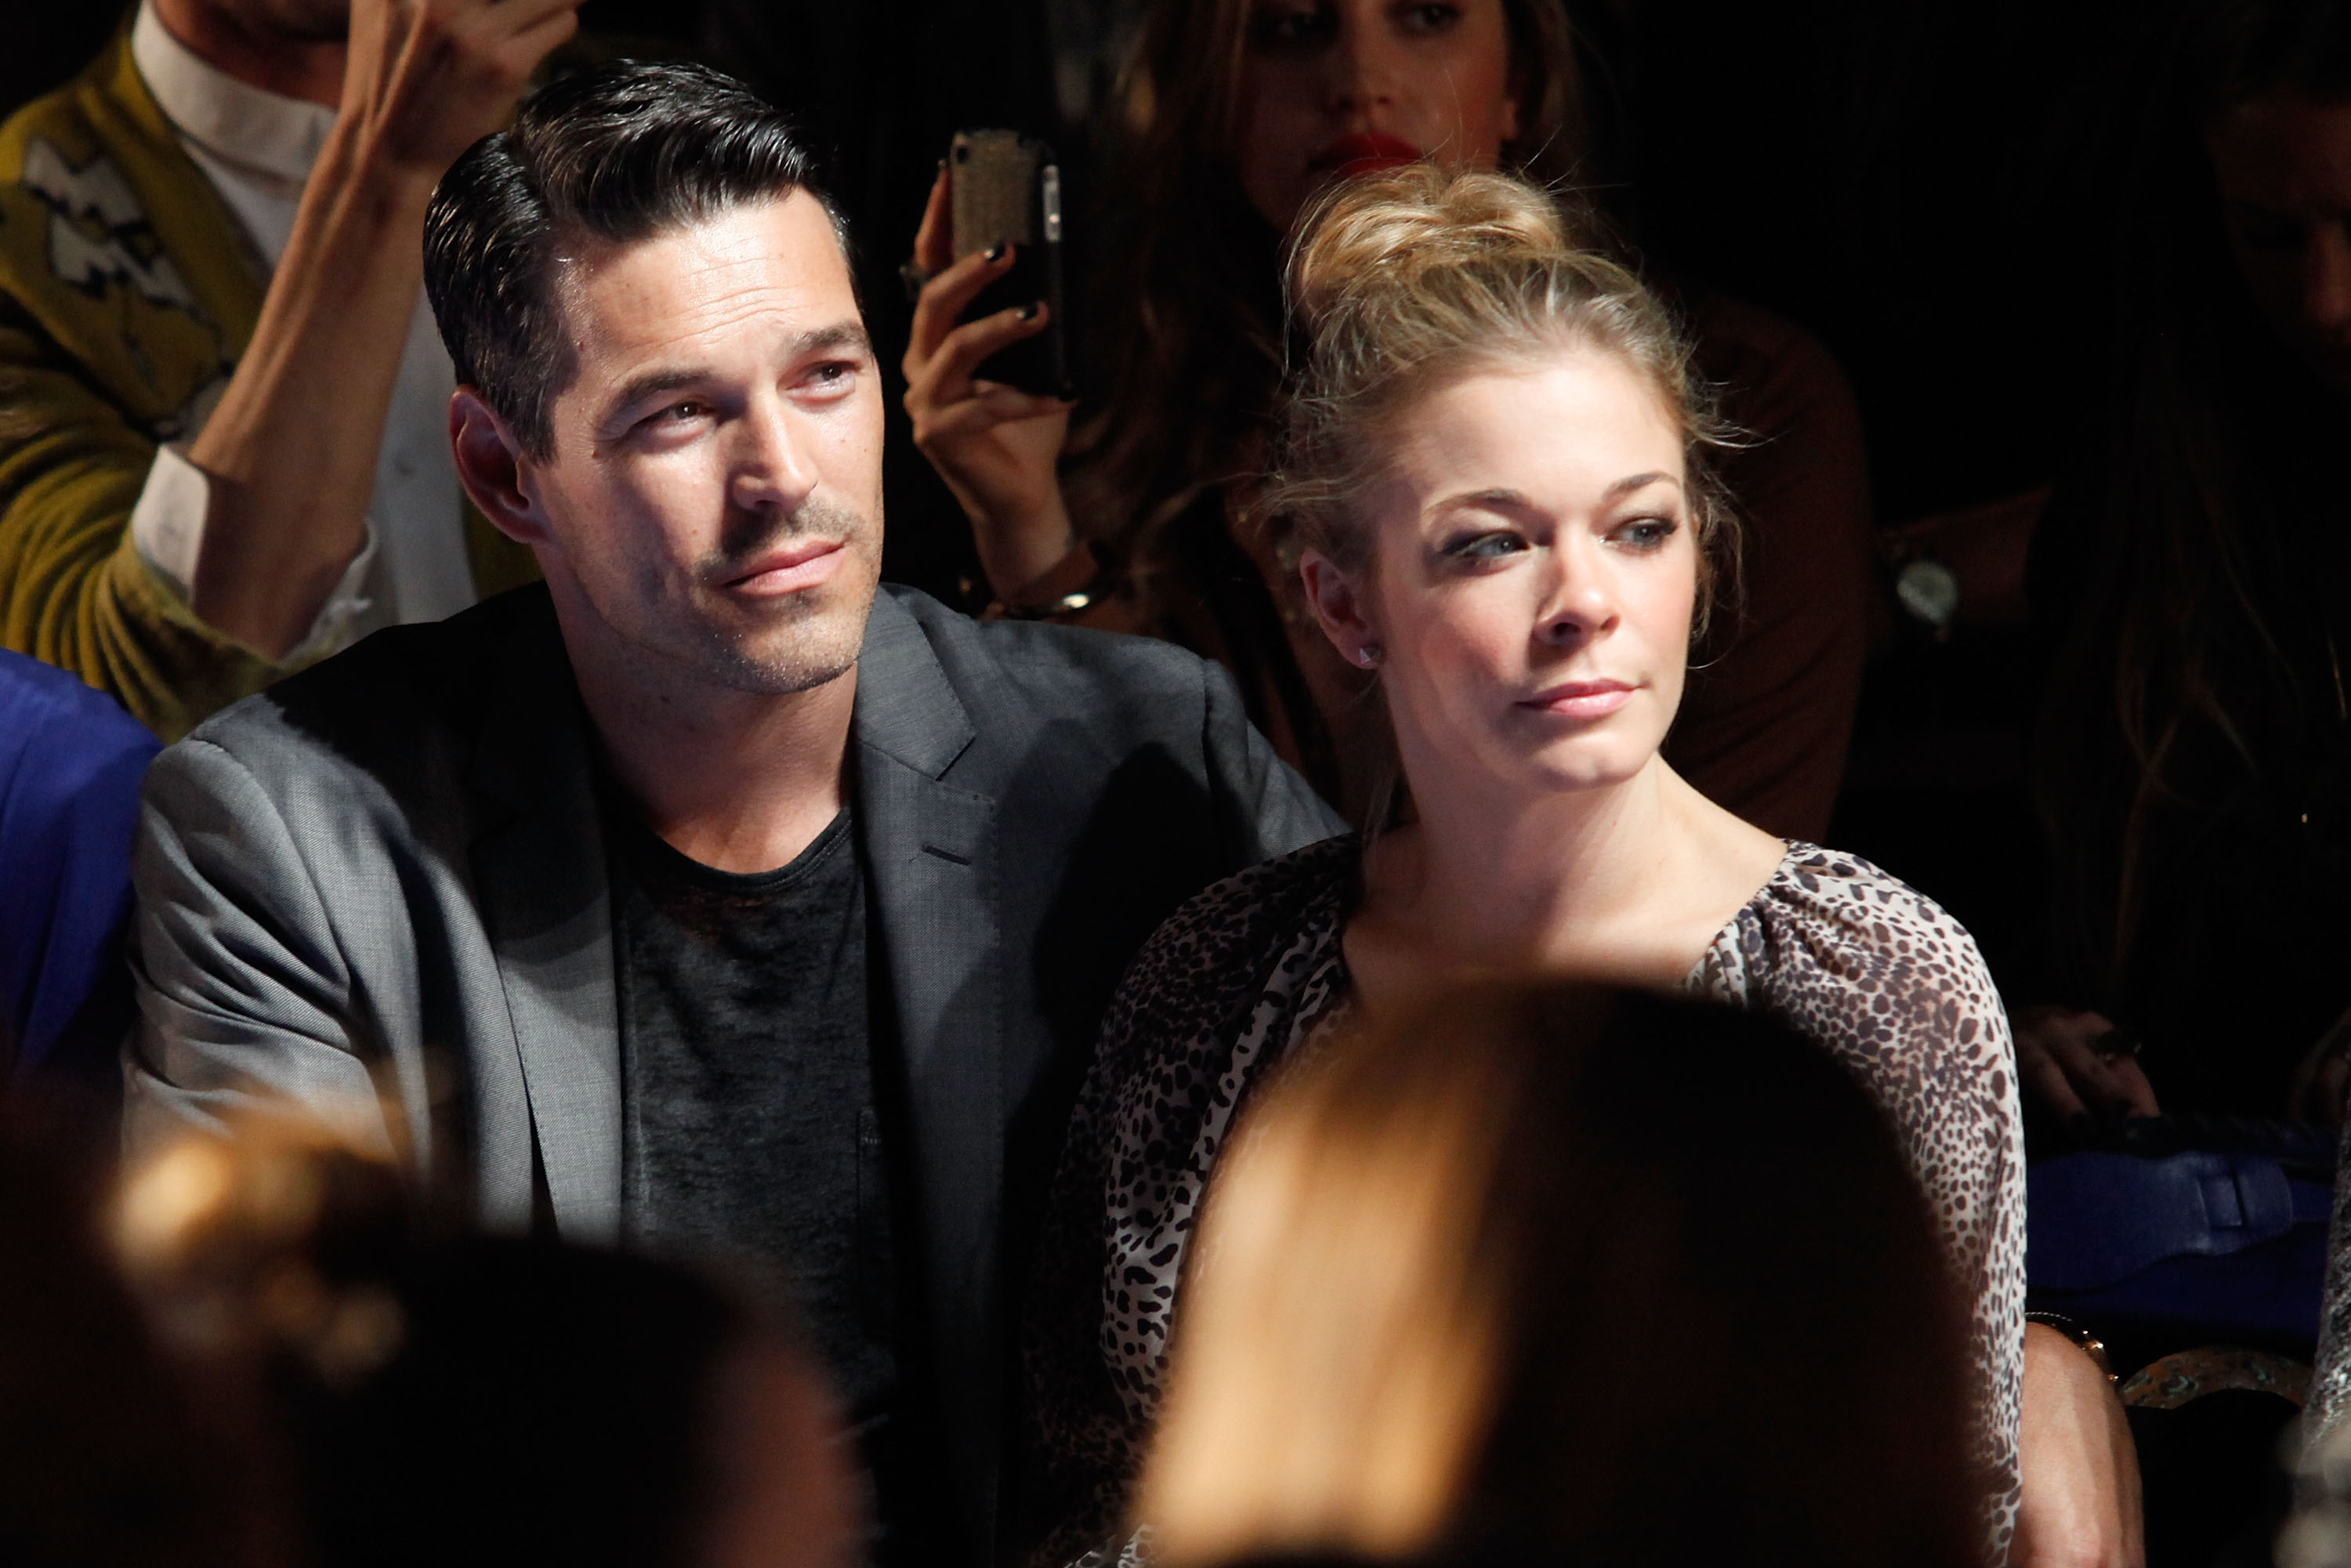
491, 465
1339, 608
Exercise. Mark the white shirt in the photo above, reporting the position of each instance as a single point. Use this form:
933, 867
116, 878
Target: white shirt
257, 149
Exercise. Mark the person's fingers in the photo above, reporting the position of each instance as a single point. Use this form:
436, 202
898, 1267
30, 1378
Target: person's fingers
2090, 1073
2131, 1083
990, 405
2042, 1074
965, 348
943, 298
935, 242
523, 53
513, 18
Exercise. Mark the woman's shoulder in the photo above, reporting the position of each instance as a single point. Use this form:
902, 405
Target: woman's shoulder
1223, 939
1831, 931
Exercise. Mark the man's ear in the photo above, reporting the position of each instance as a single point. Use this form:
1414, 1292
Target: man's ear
1338, 607
490, 465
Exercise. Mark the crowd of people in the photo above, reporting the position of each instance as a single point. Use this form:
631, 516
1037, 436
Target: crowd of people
1300, 1011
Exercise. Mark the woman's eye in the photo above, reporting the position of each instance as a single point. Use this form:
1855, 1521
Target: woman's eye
1481, 548
1432, 18
1283, 28
1647, 533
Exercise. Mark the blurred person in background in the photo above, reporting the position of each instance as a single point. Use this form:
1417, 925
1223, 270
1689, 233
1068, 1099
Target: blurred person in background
71, 765
704, 898
223, 406
1236, 112
2195, 755
1496, 459
1534, 1272
436, 1398
116, 1450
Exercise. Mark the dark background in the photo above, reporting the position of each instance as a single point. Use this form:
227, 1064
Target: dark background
1926, 186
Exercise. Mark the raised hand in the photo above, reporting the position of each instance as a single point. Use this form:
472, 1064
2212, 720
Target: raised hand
995, 446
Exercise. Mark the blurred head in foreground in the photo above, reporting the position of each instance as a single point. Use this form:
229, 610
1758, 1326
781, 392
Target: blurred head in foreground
1592, 1274
112, 1453
463, 1400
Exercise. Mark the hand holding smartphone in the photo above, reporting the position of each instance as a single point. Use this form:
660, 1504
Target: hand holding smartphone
1006, 190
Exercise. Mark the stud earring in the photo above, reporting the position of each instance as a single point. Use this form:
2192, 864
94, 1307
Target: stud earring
1368, 655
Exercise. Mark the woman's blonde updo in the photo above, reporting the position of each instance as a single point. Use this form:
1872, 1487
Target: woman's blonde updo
1405, 282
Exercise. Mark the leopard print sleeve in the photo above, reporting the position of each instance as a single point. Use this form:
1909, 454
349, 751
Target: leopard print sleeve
1880, 976
1216, 997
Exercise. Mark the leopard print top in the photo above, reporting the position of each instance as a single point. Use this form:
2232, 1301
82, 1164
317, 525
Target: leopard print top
1252, 968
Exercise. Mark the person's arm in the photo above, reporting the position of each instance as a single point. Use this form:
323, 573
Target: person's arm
995, 446
74, 592
291, 453
245, 996
1766, 720
2081, 1502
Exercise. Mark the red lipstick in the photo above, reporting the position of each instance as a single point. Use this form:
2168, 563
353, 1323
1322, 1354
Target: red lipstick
1362, 152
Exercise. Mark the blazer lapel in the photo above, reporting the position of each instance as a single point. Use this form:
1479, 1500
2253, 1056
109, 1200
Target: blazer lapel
540, 881
931, 848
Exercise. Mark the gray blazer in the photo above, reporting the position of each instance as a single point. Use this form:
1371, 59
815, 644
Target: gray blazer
379, 889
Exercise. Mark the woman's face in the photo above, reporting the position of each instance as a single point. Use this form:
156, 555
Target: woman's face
1339, 87
1535, 576
2284, 166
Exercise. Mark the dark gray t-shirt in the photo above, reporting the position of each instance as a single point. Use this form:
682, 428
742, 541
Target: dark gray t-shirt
749, 1127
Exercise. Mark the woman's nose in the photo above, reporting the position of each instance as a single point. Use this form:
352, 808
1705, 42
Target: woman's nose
1364, 67
1580, 604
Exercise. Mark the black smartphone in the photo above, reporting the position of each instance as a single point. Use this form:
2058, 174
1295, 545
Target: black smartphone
1007, 190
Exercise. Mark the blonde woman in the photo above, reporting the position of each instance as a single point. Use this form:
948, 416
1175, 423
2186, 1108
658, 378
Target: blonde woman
1532, 1274
1495, 476
1236, 113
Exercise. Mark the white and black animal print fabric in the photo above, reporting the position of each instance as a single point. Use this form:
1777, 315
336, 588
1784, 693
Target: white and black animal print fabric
1252, 970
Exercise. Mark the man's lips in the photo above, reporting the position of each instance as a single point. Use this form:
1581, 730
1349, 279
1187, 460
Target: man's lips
1581, 699
1363, 152
800, 565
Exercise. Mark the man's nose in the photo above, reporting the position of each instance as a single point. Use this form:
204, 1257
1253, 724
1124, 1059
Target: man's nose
772, 470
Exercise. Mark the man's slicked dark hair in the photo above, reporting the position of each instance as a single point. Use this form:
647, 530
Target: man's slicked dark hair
618, 153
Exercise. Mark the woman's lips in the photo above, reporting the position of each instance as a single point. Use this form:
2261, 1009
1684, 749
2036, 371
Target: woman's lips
1363, 152
792, 569
1581, 699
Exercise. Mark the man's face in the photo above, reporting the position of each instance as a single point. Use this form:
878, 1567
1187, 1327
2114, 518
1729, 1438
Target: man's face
713, 492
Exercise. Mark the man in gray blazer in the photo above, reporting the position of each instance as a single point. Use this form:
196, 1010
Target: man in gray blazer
703, 899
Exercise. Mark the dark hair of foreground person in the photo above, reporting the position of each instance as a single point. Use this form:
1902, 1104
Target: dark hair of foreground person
1541, 1266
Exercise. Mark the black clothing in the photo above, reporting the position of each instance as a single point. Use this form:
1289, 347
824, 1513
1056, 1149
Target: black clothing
387, 874
747, 1120
755, 1069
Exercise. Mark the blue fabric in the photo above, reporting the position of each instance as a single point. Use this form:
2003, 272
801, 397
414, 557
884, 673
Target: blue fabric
2215, 1243
71, 765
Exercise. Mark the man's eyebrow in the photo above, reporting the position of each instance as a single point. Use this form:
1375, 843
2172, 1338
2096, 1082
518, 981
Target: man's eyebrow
655, 382
815, 340
840, 335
